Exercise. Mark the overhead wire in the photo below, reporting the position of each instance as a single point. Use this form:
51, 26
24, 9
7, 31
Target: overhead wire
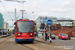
5, 8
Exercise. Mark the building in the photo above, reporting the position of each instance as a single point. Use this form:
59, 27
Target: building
66, 22
73, 23
62, 21
1, 20
43, 19
6, 26
11, 28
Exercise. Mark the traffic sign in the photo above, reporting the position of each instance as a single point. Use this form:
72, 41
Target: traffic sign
49, 22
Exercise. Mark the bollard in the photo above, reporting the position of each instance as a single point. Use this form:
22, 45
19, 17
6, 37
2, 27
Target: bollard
50, 40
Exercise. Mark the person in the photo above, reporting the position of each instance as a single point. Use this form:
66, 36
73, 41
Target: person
45, 36
37, 34
48, 37
69, 37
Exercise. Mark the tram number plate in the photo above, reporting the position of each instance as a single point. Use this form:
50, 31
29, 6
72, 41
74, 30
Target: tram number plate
25, 39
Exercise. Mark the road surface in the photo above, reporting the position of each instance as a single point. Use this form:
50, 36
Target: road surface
8, 43
68, 43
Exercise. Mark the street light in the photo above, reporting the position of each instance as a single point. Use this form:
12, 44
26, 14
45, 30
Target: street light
22, 12
22, 7
33, 15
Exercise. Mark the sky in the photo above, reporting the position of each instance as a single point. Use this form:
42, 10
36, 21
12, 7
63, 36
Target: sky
55, 8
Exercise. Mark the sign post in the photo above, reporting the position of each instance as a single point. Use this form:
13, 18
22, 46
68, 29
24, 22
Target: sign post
49, 22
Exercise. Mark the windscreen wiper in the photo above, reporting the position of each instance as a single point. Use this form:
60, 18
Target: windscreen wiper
21, 32
30, 30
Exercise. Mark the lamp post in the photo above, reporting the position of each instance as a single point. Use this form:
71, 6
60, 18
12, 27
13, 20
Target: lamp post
22, 13
22, 7
33, 15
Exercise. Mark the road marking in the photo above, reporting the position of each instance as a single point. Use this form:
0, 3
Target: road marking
44, 44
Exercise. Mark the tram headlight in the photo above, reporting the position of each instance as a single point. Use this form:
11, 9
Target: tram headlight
31, 34
18, 34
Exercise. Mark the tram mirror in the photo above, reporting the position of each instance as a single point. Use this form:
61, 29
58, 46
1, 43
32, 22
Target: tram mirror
34, 23
14, 23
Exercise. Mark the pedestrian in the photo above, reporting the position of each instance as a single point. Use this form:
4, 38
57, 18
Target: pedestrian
42, 35
45, 36
69, 37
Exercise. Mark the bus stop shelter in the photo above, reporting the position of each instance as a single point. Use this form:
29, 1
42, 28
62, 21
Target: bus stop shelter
2, 30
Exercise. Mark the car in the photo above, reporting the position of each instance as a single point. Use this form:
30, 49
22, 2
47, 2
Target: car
52, 36
63, 36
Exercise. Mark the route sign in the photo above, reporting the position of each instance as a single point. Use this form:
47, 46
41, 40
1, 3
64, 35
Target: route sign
49, 22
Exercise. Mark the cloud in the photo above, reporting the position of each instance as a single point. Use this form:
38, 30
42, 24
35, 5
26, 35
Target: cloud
56, 8
43, 13
66, 3
35, 4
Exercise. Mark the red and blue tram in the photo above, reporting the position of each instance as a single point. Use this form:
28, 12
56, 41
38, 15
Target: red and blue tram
24, 30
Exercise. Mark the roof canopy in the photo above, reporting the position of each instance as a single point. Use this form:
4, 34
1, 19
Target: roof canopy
2, 29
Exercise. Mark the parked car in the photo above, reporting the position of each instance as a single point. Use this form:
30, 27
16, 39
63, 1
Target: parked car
52, 36
63, 36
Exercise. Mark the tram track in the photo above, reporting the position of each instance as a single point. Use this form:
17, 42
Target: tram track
5, 40
27, 47
41, 46
33, 46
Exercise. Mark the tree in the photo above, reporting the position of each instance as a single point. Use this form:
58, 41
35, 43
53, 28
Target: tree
35, 30
42, 26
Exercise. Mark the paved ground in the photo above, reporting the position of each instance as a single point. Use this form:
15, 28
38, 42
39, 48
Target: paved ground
3, 36
8, 43
68, 43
